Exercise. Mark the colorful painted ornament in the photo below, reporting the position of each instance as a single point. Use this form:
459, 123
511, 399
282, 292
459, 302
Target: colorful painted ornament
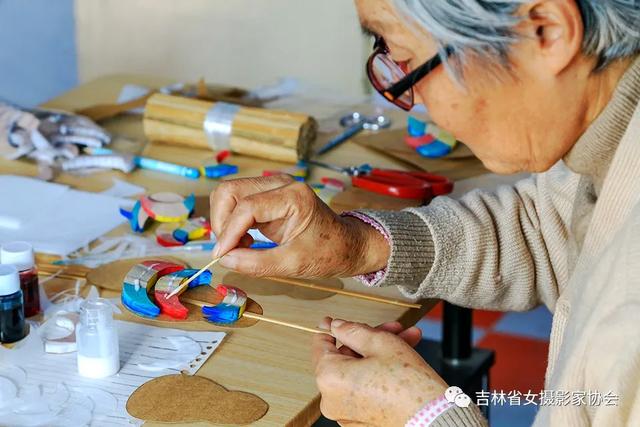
165, 277
172, 306
231, 308
218, 171
161, 207
139, 280
328, 188
428, 139
164, 236
137, 217
192, 229
168, 207
299, 172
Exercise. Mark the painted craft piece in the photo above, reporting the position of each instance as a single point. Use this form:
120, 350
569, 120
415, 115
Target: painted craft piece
137, 217
192, 229
299, 172
231, 308
166, 284
166, 277
110, 276
162, 207
164, 236
168, 207
429, 140
328, 188
218, 171
141, 278
227, 306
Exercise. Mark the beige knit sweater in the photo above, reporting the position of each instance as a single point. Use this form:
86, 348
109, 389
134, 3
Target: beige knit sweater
568, 238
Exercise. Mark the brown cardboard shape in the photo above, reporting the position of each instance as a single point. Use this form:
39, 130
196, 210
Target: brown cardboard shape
186, 399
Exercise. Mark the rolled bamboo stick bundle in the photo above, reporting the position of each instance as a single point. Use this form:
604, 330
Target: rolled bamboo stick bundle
275, 135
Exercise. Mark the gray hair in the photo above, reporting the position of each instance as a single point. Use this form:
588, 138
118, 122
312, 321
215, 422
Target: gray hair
481, 27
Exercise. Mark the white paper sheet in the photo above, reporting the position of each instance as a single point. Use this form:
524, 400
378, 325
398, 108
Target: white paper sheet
54, 218
145, 353
124, 189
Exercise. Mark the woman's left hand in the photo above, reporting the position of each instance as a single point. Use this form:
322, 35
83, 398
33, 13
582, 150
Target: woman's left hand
375, 378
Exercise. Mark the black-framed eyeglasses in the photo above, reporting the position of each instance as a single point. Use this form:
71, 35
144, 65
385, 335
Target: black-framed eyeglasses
392, 80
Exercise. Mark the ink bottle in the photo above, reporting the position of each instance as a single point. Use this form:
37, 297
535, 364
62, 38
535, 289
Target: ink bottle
97, 340
20, 254
12, 325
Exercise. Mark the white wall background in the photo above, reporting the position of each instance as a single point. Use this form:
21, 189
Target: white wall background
48, 46
241, 42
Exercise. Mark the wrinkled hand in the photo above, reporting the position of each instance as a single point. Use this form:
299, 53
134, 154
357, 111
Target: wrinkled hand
313, 240
375, 378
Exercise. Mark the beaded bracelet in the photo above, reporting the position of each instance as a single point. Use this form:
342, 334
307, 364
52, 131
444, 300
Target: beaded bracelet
429, 412
369, 279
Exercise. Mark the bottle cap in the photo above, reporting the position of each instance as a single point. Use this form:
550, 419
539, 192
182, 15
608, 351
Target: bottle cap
9, 280
19, 254
96, 312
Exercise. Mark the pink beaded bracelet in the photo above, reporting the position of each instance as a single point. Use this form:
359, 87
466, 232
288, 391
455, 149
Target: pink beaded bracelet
432, 410
370, 279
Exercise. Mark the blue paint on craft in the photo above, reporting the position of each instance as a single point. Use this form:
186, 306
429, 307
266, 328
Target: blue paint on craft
190, 202
202, 280
416, 127
221, 313
181, 235
125, 213
263, 245
434, 150
218, 171
138, 301
133, 216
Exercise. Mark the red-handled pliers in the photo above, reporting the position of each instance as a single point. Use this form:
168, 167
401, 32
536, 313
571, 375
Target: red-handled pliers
396, 183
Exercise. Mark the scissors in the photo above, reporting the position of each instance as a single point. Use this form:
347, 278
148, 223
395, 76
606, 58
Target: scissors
395, 183
356, 122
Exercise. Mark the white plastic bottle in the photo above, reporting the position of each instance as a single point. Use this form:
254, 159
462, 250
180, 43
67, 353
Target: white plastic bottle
97, 340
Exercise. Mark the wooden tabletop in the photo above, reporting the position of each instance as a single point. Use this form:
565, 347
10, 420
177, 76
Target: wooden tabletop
270, 361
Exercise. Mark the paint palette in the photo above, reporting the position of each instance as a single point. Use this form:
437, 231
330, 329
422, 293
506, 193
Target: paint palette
147, 284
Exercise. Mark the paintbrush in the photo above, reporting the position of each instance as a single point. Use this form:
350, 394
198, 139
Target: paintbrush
192, 278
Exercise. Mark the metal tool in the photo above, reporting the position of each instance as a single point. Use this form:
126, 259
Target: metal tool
356, 122
396, 183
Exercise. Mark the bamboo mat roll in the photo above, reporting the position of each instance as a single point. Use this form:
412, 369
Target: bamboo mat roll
270, 134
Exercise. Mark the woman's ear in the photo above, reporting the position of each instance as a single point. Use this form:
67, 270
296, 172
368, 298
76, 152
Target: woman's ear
555, 31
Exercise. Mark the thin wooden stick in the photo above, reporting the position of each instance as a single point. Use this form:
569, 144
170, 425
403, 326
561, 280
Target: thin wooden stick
62, 275
260, 317
283, 323
192, 278
344, 292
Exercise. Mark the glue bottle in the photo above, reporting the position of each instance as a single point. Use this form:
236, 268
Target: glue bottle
97, 340
20, 254
12, 326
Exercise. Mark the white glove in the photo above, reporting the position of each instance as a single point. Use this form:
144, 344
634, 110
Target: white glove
46, 136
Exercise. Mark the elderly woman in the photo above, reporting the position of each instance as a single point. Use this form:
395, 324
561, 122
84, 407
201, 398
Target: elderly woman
548, 86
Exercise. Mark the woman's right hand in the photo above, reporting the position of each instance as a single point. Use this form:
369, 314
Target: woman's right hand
313, 241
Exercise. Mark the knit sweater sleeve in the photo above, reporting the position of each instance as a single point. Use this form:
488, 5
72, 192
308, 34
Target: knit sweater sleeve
502, 250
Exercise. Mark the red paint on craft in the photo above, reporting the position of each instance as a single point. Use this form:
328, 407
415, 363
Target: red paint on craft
417, 141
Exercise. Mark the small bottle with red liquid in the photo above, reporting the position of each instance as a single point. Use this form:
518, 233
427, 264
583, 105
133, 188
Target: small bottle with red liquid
12, 326
20, 254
